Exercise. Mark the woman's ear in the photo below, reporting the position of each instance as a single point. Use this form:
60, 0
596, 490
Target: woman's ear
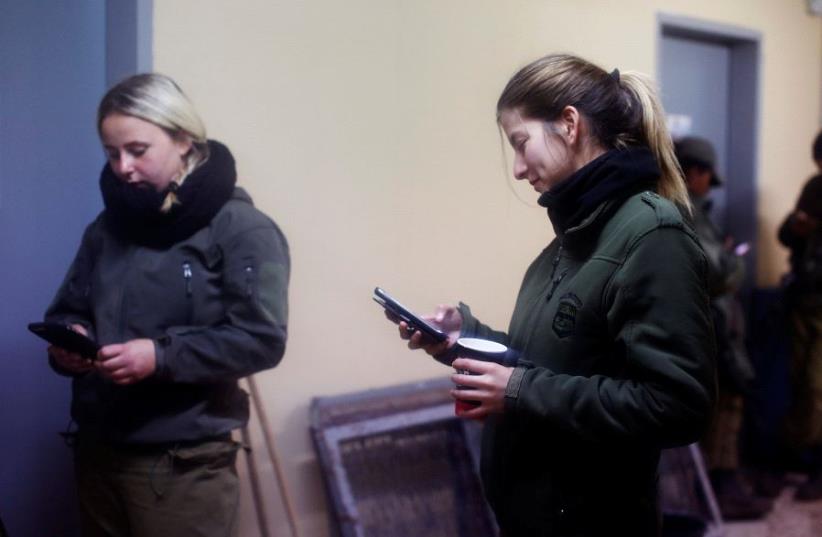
183, 142
570, 124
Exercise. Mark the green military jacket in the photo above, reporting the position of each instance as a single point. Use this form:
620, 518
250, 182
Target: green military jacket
614, 331
215, 306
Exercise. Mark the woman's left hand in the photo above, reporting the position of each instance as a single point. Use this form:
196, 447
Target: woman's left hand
486, 384
127, 363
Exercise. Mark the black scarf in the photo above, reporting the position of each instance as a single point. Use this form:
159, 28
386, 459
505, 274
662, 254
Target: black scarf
133, 213
615, 175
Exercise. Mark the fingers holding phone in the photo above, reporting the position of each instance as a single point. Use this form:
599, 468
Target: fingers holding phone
434, 333
129, 362
417, 340
447, 318
71, 361
802, 223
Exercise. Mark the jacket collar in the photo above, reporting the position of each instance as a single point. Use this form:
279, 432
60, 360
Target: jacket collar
593, 192
133, 214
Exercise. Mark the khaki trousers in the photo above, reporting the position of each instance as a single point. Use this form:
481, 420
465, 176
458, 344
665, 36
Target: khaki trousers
804, 422
721, 442
181, 490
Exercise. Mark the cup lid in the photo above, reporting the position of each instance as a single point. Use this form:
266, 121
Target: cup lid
482, 345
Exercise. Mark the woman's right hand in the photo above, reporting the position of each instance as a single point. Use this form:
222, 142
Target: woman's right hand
446, 318
71, 361
802, 223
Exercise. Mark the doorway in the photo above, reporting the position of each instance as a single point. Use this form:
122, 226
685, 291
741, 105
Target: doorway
709, 79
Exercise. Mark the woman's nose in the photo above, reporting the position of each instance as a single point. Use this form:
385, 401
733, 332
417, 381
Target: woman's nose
124, 166
520, 169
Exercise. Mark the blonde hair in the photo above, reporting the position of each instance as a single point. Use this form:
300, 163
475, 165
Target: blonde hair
159, 100
621, 109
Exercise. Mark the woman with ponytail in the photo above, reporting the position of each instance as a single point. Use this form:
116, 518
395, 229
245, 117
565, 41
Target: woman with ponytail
612, 323
183, 283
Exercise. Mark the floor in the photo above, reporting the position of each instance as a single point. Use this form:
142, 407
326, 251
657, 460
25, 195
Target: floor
787, 519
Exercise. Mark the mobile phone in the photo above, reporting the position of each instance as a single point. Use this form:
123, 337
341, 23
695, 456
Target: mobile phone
404, 314
65, 337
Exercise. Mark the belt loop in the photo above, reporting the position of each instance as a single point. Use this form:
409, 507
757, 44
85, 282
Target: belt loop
171, 454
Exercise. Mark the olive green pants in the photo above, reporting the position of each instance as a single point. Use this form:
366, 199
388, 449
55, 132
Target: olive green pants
804, 422
721, 442
181, 491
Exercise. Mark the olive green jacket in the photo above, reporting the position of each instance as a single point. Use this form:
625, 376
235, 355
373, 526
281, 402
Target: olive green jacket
617, 362
215, 306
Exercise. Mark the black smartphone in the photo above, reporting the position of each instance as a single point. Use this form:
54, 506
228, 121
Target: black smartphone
404, 314
65, 337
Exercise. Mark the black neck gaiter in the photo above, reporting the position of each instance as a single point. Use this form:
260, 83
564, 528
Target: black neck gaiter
133, 213
615, 175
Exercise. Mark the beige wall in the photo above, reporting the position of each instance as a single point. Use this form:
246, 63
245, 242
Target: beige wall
365, 128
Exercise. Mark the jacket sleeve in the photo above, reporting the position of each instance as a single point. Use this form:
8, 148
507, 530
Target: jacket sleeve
659, 322
252, 335
806, 202
71, 304
472, 327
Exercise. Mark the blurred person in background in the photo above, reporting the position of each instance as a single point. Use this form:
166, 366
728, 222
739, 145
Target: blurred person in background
726, 272
802, 234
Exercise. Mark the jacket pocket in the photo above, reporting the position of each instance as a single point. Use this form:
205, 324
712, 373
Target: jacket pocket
211, 454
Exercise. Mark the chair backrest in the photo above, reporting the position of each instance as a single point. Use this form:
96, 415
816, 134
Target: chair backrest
396, 461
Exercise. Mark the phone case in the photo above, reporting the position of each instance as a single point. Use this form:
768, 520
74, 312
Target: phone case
403, 313
66, 338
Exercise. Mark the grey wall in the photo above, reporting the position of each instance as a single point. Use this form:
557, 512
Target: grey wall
52, 73
736, 142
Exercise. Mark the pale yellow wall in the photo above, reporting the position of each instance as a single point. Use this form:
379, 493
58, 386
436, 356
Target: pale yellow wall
365, 128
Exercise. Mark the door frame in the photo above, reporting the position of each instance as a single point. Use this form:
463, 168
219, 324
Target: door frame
129, 38
743, 118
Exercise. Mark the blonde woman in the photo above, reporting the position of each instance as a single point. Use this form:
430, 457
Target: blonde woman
612, 322
184, 284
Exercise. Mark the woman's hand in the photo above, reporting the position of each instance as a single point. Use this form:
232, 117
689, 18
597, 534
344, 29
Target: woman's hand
127, 363
802, 223
486, 384
446, 318
71, 361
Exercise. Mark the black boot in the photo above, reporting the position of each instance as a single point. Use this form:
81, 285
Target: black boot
811, 489
766, 483
736, 500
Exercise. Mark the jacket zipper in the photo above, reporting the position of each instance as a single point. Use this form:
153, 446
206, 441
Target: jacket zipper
249, 279
556, 279
121, 322
555, 283
187, 276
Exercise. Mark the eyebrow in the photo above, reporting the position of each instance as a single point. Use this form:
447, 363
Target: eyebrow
514, 135
128, 145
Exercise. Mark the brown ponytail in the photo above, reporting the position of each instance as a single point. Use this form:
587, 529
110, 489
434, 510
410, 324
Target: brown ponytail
656, 136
